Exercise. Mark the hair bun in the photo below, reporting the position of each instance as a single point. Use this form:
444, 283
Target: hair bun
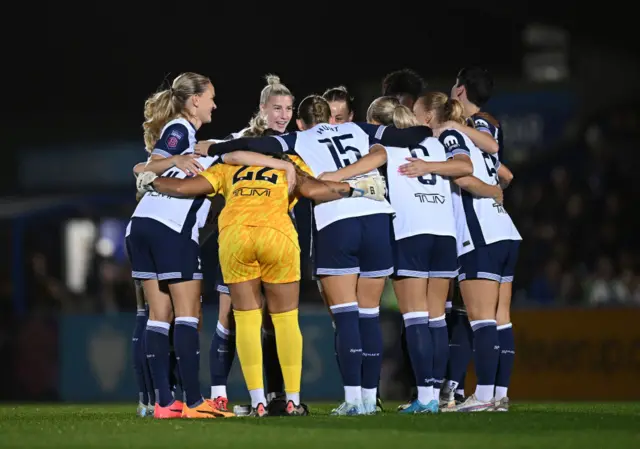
272, 80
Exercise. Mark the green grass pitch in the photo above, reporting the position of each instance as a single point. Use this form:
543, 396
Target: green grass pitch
539, 426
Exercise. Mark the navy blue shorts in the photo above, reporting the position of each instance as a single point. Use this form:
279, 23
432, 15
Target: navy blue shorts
496, 262
158, 252
425, 256
357, 245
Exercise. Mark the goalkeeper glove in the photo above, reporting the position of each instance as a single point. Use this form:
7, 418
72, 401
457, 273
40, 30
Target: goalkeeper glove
372, 187
144, 182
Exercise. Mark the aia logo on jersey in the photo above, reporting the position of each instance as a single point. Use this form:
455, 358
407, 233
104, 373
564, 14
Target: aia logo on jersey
481, 124
450, 142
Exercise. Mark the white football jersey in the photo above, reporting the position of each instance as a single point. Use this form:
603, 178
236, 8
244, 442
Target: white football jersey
180, 214
479, 221
423, 205
327, 148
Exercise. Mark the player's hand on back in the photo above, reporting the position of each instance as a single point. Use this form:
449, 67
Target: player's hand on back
416, 167
202, 148
292, 176
187, 163
499, 195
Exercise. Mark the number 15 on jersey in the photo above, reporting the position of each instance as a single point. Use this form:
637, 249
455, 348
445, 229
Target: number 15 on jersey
342, 155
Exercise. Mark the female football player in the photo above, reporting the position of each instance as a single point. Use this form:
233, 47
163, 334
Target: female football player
275, 112
341, 104
259, 246
162, 241
425, 256
352, 245
487, 248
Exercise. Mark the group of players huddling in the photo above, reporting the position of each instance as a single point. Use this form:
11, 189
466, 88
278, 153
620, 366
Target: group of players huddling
436, 215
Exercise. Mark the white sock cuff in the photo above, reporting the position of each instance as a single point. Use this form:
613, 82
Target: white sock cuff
369, 311
162, 324
189, 320
340, 307
223, 329
438, 318
505, 326
410, 315
476, 322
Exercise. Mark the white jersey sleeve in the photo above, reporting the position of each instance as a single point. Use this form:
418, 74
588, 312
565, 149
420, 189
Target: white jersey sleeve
479, 221
423, 205
326, 148
183, 215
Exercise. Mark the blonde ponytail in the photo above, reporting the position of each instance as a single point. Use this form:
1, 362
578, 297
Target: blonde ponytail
403, 117
257, 126
388, 111
443, 107
162, 107
159, 109
454, 111
314, 110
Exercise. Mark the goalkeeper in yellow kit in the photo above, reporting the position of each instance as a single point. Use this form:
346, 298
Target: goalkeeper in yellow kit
259, 247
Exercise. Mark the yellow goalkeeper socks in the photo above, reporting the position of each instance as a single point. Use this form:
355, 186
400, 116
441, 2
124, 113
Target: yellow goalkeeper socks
249, 346
289, 344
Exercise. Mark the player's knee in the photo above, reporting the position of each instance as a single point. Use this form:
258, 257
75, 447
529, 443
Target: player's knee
161, 312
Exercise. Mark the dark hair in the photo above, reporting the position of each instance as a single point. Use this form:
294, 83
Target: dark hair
313, 110
478, 83
403, 82
339, 93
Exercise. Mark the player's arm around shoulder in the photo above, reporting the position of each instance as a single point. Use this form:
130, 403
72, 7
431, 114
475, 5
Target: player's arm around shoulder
250, 159
322, 191
376, 158
203, 184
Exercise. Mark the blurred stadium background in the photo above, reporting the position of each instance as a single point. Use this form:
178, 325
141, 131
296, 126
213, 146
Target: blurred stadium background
568, 100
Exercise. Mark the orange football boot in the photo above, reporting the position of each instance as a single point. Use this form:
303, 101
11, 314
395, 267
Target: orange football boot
219, 405
204, 410
173, 410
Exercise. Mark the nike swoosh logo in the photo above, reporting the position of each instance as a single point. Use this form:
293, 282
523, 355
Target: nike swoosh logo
207, 412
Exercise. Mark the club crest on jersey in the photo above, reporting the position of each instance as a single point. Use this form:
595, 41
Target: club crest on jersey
174, 138
450, 142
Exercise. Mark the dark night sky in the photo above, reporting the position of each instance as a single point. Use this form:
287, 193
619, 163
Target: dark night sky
91, 70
